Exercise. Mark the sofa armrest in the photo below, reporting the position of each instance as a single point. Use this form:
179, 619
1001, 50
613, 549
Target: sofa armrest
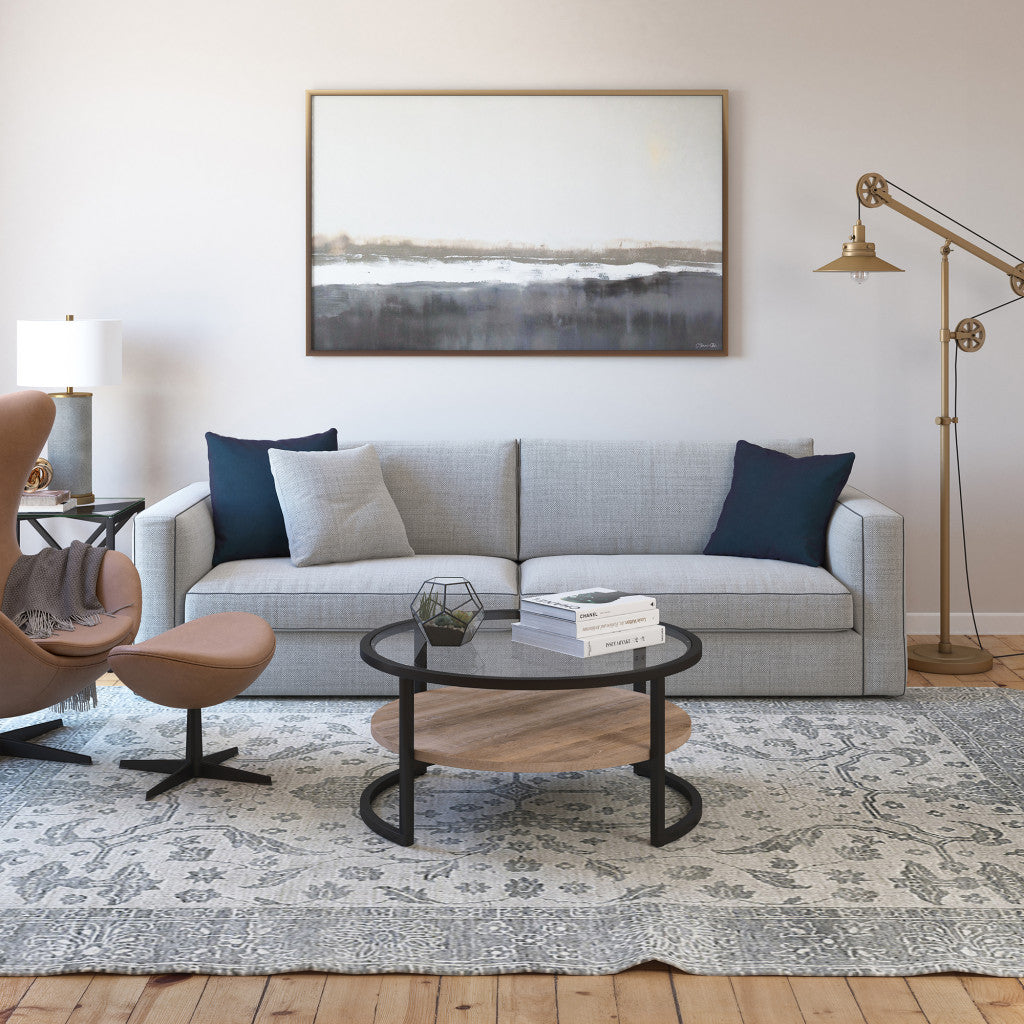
173, 551
864, 551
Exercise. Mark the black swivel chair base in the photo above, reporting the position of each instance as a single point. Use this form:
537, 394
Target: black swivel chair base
16, 743
195, 765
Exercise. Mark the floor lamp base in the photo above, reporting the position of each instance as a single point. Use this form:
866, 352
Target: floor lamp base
957, 661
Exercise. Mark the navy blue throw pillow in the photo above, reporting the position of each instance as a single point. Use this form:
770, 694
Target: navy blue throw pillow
247, 517
778, 505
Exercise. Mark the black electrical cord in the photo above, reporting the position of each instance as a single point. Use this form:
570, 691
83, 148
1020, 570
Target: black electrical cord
960, 491
956, 222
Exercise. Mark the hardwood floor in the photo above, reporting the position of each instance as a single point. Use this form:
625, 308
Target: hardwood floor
650, 994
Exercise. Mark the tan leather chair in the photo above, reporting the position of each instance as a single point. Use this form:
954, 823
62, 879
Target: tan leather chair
36, 674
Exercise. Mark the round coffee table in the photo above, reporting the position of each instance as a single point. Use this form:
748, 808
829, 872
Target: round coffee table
507, 706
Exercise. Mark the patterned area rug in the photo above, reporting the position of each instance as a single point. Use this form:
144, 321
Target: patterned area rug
874, 836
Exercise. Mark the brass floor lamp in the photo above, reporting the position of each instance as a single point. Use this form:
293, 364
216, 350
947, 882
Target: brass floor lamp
859, 260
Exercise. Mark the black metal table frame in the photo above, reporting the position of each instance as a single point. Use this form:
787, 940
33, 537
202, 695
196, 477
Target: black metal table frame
409, 767
110, 522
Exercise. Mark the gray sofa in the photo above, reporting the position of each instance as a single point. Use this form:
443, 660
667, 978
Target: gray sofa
540, 516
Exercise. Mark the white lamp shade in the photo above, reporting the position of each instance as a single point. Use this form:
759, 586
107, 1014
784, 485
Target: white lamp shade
69, 353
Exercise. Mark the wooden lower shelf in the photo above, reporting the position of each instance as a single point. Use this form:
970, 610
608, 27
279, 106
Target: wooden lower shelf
531, 730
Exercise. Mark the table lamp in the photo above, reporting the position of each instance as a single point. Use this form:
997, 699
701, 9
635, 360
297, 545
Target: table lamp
860, 260
88, 353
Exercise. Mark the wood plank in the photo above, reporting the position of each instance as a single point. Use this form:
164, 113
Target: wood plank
886, 1001
1016, 666
295, 996
941, 679
997, 644
526, 999
468, 999
766, 1000
644, 996
407, 999
826, 1001
531, 730
349, 999
976, 679
944, 1000
1001, 674
1001, 1000
168, 999
585, 999
51, 1000
11, 991
229, 1000
1016, 663
704, 999
109, 999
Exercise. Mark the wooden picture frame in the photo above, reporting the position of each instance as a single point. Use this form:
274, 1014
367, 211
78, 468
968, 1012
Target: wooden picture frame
517, 223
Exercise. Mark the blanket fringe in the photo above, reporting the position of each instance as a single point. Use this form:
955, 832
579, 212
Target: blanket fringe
82, 701
38, 625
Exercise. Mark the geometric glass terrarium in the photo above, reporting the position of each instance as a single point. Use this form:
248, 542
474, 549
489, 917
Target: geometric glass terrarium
447, 611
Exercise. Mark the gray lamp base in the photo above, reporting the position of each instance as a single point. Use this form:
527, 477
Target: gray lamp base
957, 661
69, 448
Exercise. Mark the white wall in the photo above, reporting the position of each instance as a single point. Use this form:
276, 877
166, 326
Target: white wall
152, 169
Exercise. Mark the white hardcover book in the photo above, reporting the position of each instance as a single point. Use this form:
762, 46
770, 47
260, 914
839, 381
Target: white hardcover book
45, 498
589, 627
588, 647
64, 506
589, 603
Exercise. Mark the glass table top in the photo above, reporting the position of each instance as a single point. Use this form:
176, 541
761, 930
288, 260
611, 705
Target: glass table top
493, 658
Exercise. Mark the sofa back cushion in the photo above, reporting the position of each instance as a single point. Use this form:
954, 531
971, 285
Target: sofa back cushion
454, 497
625, 497
247, 517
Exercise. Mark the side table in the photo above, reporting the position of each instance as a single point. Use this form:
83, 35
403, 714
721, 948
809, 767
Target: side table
109, 513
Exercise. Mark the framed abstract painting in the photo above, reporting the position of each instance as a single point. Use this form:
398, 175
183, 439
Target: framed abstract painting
516, 223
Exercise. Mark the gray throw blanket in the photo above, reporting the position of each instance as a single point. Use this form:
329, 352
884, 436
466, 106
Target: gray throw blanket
56, 590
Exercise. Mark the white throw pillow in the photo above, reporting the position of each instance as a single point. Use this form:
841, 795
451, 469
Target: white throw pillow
336, 506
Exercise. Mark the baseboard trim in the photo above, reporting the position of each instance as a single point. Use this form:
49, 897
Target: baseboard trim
992, 623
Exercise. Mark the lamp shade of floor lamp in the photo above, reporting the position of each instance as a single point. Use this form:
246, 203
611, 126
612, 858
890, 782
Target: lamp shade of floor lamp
88, 354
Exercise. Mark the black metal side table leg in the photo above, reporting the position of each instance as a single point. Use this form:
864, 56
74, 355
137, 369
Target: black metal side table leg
654, 769
408, 769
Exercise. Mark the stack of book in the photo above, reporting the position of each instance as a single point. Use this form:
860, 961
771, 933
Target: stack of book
47, 501
588, 622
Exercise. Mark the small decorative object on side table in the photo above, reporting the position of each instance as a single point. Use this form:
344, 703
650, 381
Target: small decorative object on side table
447, 611
110, 514
40, 477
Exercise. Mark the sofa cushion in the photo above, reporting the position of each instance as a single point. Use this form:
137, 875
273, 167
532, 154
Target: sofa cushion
707, 592
454, 497
347, 596
247, 519
778, 506
336, 507
624, 497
